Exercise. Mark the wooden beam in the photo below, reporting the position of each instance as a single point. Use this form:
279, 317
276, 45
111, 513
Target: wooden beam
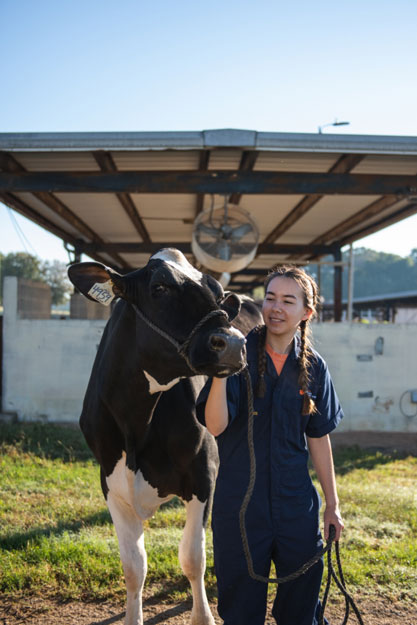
358, 218
345, 164
202, 166
247, 163
151, 248
106, 163
399, 215
223, 182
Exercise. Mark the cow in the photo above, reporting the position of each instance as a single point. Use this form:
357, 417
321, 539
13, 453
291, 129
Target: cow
170, 327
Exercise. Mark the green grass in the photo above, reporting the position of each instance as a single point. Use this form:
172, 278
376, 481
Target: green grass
56, 536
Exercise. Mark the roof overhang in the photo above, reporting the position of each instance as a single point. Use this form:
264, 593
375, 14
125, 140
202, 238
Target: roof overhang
120, 196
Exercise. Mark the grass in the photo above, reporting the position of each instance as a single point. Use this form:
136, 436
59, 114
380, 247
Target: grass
57, 539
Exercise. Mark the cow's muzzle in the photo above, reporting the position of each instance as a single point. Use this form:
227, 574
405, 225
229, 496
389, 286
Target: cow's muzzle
229, 350
183, 348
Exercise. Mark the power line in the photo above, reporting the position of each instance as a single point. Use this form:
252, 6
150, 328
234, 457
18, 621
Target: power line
20, 232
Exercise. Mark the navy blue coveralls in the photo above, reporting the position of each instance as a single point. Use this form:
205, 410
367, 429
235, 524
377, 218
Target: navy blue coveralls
282, 520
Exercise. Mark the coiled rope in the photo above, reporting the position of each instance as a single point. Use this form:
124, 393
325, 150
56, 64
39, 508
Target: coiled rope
305, 567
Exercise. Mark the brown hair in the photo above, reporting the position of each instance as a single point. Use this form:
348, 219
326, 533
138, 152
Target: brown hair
310, 293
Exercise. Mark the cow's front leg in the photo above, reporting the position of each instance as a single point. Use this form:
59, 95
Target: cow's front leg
192, 557
129, 530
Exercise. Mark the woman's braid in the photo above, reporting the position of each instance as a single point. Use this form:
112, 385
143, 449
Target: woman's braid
304, 377
310, 293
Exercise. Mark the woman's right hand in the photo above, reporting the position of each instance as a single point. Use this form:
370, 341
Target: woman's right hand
216, 413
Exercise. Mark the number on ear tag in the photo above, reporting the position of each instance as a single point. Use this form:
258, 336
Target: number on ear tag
102, 292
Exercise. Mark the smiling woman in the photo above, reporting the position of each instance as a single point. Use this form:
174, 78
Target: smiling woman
295, 404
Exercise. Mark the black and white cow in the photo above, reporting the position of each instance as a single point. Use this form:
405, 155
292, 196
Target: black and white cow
140, 424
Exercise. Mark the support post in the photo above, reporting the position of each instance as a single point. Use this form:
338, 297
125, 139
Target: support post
337, 288
350, 288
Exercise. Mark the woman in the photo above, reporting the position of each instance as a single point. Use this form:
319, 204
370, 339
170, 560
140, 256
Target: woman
295, 408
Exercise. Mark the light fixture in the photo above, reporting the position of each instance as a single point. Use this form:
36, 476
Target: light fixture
335, 123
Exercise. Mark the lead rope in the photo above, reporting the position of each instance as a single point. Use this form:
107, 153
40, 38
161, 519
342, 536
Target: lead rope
305, 567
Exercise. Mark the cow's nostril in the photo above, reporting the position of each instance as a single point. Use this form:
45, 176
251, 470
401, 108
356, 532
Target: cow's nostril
218, 343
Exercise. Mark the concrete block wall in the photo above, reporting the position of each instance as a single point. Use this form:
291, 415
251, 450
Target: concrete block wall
83, 308
372, 386
46, 362
33, 299
47, 365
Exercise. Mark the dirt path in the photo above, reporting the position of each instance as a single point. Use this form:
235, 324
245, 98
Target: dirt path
47, 612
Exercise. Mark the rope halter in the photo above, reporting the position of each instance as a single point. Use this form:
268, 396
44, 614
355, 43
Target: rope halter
182, 348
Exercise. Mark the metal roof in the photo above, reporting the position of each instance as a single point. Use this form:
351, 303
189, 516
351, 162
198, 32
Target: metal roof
120, 196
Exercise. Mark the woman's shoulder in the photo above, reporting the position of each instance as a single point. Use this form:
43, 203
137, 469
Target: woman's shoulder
317, 362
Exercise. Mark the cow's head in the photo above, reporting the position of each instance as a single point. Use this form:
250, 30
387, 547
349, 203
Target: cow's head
174, 297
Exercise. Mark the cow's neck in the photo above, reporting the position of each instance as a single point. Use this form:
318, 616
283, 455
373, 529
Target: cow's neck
129, 378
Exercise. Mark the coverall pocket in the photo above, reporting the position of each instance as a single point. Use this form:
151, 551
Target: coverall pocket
295, 481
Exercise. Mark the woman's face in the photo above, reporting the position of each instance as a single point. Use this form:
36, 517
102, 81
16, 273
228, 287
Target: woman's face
283, 307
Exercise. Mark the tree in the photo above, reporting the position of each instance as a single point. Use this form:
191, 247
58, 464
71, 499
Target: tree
54, 273
29, 267
21, 265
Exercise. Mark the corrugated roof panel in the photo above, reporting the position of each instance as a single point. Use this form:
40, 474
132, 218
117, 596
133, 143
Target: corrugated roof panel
383, 164
269, 210
225, 159
169, 230
57, 161
151, 160
104, 214
326, 214
48, 213
295, 161
161, 206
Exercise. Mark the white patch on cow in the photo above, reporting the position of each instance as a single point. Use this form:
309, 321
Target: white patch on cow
134, 490
156, 387
131, 500
177, 259
102, 292
192, 557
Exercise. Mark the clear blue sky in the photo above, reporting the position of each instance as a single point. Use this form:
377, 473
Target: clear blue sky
90, 65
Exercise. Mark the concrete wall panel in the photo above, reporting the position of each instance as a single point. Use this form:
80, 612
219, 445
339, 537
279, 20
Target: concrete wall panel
47, 364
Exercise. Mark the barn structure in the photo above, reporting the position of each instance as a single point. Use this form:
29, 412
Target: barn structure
119, 196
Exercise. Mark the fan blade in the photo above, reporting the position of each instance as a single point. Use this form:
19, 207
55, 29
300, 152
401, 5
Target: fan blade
240, 231
213, 232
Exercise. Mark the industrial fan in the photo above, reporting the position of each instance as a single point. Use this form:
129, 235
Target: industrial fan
225, 239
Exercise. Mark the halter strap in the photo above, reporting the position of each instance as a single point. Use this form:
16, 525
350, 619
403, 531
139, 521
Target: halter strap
182, 348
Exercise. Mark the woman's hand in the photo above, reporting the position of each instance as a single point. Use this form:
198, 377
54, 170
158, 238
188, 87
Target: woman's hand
332, 516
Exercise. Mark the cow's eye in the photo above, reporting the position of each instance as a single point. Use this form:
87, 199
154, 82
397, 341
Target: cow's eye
160, 289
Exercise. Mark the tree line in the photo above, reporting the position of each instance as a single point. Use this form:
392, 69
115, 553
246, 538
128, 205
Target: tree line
375, 273
30, 267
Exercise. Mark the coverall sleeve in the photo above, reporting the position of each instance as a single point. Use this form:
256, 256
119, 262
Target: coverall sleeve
328, 412
233, 398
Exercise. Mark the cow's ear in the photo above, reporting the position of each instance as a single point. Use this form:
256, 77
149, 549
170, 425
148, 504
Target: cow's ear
231, 305
214, 286
96, 281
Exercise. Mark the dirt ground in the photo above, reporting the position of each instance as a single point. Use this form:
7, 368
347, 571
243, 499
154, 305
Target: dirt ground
47, 612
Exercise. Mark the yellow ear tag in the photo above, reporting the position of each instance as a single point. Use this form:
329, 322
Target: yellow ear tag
102, 292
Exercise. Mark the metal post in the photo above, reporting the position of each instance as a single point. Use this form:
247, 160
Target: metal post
350, 285
320, 315
338, 269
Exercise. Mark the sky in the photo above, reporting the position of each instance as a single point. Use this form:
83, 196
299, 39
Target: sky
96, 65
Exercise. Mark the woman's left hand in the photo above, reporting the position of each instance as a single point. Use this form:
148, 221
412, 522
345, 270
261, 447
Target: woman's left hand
332, 516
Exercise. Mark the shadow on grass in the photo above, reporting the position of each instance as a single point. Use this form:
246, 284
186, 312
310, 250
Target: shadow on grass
20, 540
348, 459
46, 440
